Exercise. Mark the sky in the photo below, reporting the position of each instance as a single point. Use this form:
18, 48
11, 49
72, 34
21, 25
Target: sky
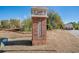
67, 13
19, 12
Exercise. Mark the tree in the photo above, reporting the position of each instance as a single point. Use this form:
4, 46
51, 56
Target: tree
27, 25
49, 26
0, 24
54, 21
75, 25
58, 21
5, 24
14, 23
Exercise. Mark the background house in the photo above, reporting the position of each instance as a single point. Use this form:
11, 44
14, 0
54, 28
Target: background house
68, 26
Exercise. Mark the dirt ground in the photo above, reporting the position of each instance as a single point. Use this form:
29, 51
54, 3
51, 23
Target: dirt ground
58, 41
14, 35
63, 41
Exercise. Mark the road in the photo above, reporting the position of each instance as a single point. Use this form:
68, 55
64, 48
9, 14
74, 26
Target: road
74, 32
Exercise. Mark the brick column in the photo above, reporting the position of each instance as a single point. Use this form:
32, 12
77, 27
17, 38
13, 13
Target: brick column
35, 39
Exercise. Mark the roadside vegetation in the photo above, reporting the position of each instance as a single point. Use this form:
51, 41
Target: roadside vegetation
54, 21
75, 25
25, 25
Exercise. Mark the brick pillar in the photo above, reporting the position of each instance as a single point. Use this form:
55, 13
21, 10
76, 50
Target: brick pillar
35, 39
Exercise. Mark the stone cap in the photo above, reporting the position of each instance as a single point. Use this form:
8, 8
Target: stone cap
39, 11
39, 8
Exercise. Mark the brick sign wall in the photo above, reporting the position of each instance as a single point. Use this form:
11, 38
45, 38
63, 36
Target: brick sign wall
35, 39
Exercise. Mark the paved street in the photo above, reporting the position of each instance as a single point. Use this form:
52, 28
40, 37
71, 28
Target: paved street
74, 32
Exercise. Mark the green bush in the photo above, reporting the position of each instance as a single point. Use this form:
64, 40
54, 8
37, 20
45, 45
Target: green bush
54, 21
27, 25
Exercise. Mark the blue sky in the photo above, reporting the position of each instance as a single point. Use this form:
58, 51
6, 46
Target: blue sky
67, 13
21, 12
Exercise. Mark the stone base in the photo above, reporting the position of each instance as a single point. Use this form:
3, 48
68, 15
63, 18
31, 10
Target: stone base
39, 42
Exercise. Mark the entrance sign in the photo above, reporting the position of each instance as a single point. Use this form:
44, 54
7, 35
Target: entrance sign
39, 16
39, 28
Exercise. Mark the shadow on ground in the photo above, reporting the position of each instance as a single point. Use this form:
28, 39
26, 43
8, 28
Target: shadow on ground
20, 42
1, 51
